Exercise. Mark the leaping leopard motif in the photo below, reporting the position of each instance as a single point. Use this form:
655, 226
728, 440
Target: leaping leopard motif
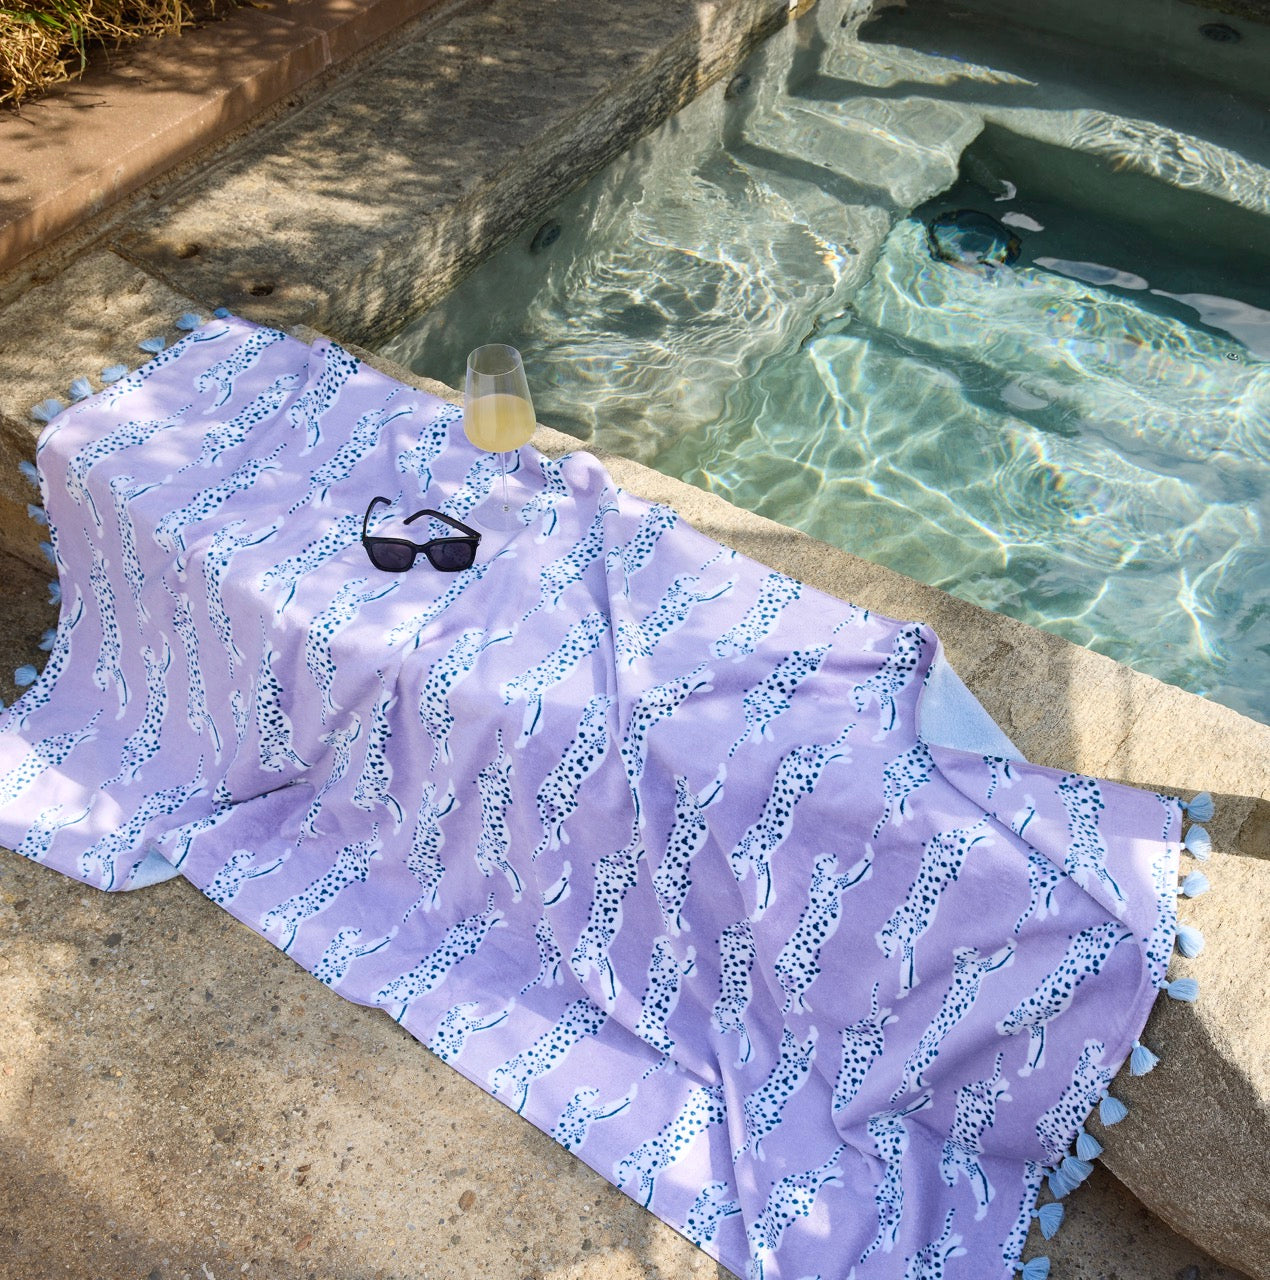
459, 941
763, 1108
687, 837
351, 866
969, 970
1086, 954
307, 412
942, 860
798, 964
774, 694
557, 798
893, 676
704, 1108
976, 1111
862, 1044
515, 1076
342, 950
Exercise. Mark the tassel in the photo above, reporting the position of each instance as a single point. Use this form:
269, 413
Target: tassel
48, 640
1186, 989
47, 410
1199, 808
1111, 1110
1087, 1146
1199, 843
1076, 1170
1049, 1218
1060, 1184
55, 593
81, 389
221, 313
28, 470
1190, 942
114, 373
38, 514
1034, 1269
49, 554
1141, 1060
188, 321
24, 676
153, 345
1194, 884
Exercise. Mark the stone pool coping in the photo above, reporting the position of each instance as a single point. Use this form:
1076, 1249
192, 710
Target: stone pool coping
328, 218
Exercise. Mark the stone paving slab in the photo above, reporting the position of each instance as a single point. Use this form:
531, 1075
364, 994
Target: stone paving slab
78, 150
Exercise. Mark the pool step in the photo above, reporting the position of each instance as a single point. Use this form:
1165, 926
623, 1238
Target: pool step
895, 153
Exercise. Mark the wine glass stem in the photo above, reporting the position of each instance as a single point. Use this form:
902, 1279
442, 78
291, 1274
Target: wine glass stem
502, 471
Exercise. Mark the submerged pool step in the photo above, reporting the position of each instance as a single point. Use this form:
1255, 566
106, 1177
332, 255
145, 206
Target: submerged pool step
896, 152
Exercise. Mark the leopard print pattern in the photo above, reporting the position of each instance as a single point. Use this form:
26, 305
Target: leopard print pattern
516, 1076
1087, 953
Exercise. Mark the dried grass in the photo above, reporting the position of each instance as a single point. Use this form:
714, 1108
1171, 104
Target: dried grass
43, 42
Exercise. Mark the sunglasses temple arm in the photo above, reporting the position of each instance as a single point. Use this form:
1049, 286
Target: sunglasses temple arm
366, 518
450, 520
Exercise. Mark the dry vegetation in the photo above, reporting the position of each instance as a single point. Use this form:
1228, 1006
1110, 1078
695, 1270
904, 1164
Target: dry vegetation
45, 41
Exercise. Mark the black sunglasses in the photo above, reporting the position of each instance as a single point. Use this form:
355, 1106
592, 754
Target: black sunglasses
396, 555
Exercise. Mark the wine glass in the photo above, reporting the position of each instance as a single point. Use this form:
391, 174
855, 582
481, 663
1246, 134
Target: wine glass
498, 416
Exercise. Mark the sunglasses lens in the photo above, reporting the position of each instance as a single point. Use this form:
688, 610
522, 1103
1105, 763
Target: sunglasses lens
449, 556
392, 557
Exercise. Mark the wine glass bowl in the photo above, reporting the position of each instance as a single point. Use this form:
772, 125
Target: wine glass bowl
498, 416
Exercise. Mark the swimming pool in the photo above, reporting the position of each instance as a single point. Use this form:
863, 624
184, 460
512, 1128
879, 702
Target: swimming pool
1082, 439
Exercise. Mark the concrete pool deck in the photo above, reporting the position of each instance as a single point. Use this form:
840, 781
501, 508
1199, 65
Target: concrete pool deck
176, 1097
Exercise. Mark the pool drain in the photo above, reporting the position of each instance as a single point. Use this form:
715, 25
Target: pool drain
545, 237
968, 238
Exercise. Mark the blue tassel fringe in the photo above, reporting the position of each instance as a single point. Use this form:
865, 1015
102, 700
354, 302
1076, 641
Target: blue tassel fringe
1190, 941
1199, 843
1186, 989
1076, 1170
1049, 1217
188, 322
1200, 808
24, 676
1111, 1110
38, 514
81, 389
1035, 1269
1087, 1146
1194, 884
1142, 1060
153, 345
114, 372
47, 410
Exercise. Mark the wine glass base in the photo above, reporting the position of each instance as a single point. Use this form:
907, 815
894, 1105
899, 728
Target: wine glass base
492, 514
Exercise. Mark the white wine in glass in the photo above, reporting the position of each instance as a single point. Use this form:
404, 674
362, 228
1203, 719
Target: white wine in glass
498, 416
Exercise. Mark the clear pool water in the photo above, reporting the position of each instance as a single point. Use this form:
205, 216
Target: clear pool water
1081, 440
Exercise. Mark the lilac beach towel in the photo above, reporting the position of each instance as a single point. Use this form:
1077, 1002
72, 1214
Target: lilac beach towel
670, 853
